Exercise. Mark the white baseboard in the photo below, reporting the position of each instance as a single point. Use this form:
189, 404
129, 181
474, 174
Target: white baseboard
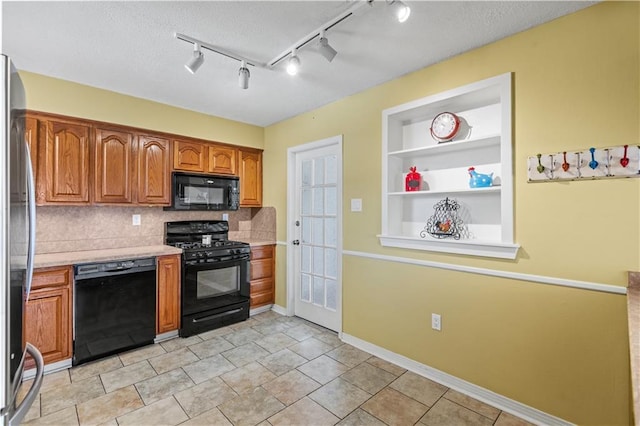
49, 368
259, 310
165, 336
501, 402
279, 310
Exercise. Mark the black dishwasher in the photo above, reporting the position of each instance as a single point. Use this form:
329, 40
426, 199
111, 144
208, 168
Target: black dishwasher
114, 307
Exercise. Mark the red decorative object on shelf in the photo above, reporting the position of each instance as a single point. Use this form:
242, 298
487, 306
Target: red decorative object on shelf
413, 181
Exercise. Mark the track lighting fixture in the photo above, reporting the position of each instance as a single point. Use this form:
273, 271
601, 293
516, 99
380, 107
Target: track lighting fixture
197, 59
401, 10
243, 76
293, 66
325, 49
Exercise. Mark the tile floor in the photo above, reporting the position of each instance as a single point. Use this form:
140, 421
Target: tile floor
268, 370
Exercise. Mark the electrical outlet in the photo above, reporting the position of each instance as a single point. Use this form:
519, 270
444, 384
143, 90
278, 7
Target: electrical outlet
356, 204
136, 220
436, 322
225, 216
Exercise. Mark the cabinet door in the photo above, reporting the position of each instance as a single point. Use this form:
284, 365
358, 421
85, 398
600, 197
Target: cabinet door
262, 275
47, 316
113, 166
250, 178
168, 308
66, 165
222, 160
189, 156
154, 170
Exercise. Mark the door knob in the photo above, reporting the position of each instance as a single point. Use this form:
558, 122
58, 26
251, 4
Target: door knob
296, 242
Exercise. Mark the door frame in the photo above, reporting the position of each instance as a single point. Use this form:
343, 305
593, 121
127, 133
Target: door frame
291, 228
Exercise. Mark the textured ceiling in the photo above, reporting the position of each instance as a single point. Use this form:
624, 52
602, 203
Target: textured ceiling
129, 47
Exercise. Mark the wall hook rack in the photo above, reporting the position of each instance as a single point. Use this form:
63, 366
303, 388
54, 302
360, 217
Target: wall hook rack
608, 162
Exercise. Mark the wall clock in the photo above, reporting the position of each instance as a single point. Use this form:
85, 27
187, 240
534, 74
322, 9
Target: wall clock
445, 126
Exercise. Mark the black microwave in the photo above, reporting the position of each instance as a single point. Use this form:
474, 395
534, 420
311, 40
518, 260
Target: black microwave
204, 192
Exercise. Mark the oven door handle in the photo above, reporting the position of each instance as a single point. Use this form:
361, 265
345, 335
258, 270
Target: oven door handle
214, 265
215, 316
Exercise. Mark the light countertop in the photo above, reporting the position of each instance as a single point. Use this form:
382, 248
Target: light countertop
75, 257
253, 242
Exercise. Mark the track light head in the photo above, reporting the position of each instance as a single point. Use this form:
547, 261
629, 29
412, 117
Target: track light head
197, 60
400, 10
243, 76
293, 66
325, 50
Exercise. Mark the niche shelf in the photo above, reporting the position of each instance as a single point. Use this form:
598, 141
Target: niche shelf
483, 142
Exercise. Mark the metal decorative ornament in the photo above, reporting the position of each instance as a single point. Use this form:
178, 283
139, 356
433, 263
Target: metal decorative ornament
445, 222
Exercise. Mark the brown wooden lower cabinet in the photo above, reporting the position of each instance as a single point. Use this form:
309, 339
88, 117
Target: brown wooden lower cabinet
47, 318
168, 300
263, 263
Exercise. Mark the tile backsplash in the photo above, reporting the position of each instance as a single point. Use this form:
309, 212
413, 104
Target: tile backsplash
62, 228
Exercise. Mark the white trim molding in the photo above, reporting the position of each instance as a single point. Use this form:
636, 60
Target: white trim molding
165, 336
48, 369
584, 285
280, 310
481, 394
259, 310
468, 247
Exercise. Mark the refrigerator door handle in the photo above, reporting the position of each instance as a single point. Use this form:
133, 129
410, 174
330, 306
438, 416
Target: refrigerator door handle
31, 192
27, 402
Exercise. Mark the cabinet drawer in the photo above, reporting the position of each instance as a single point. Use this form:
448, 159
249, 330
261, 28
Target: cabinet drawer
52, 277
262, 268
261, 299
260, 286
261, 252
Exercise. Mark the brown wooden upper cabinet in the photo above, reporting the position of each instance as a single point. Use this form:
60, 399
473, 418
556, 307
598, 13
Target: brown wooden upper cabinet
250, 173
113, 177
202, 157
64, 164
154, 170
222, 160
189, 156
83, 162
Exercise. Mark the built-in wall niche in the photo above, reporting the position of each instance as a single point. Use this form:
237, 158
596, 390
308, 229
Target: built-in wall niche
483, 141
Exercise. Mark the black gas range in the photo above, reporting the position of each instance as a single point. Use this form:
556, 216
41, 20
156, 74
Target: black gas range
215, 275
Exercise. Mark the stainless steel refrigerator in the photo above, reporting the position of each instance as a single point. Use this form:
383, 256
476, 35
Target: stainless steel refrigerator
17, 247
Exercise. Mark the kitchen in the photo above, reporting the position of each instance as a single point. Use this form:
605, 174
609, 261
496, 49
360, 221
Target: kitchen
538, 360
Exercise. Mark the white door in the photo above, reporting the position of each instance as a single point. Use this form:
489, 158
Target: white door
314, 230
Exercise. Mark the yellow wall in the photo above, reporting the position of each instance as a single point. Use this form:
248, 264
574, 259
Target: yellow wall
63, 97
560, 350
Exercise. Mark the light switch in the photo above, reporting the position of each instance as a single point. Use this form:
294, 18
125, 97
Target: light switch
136, 220
356, 204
